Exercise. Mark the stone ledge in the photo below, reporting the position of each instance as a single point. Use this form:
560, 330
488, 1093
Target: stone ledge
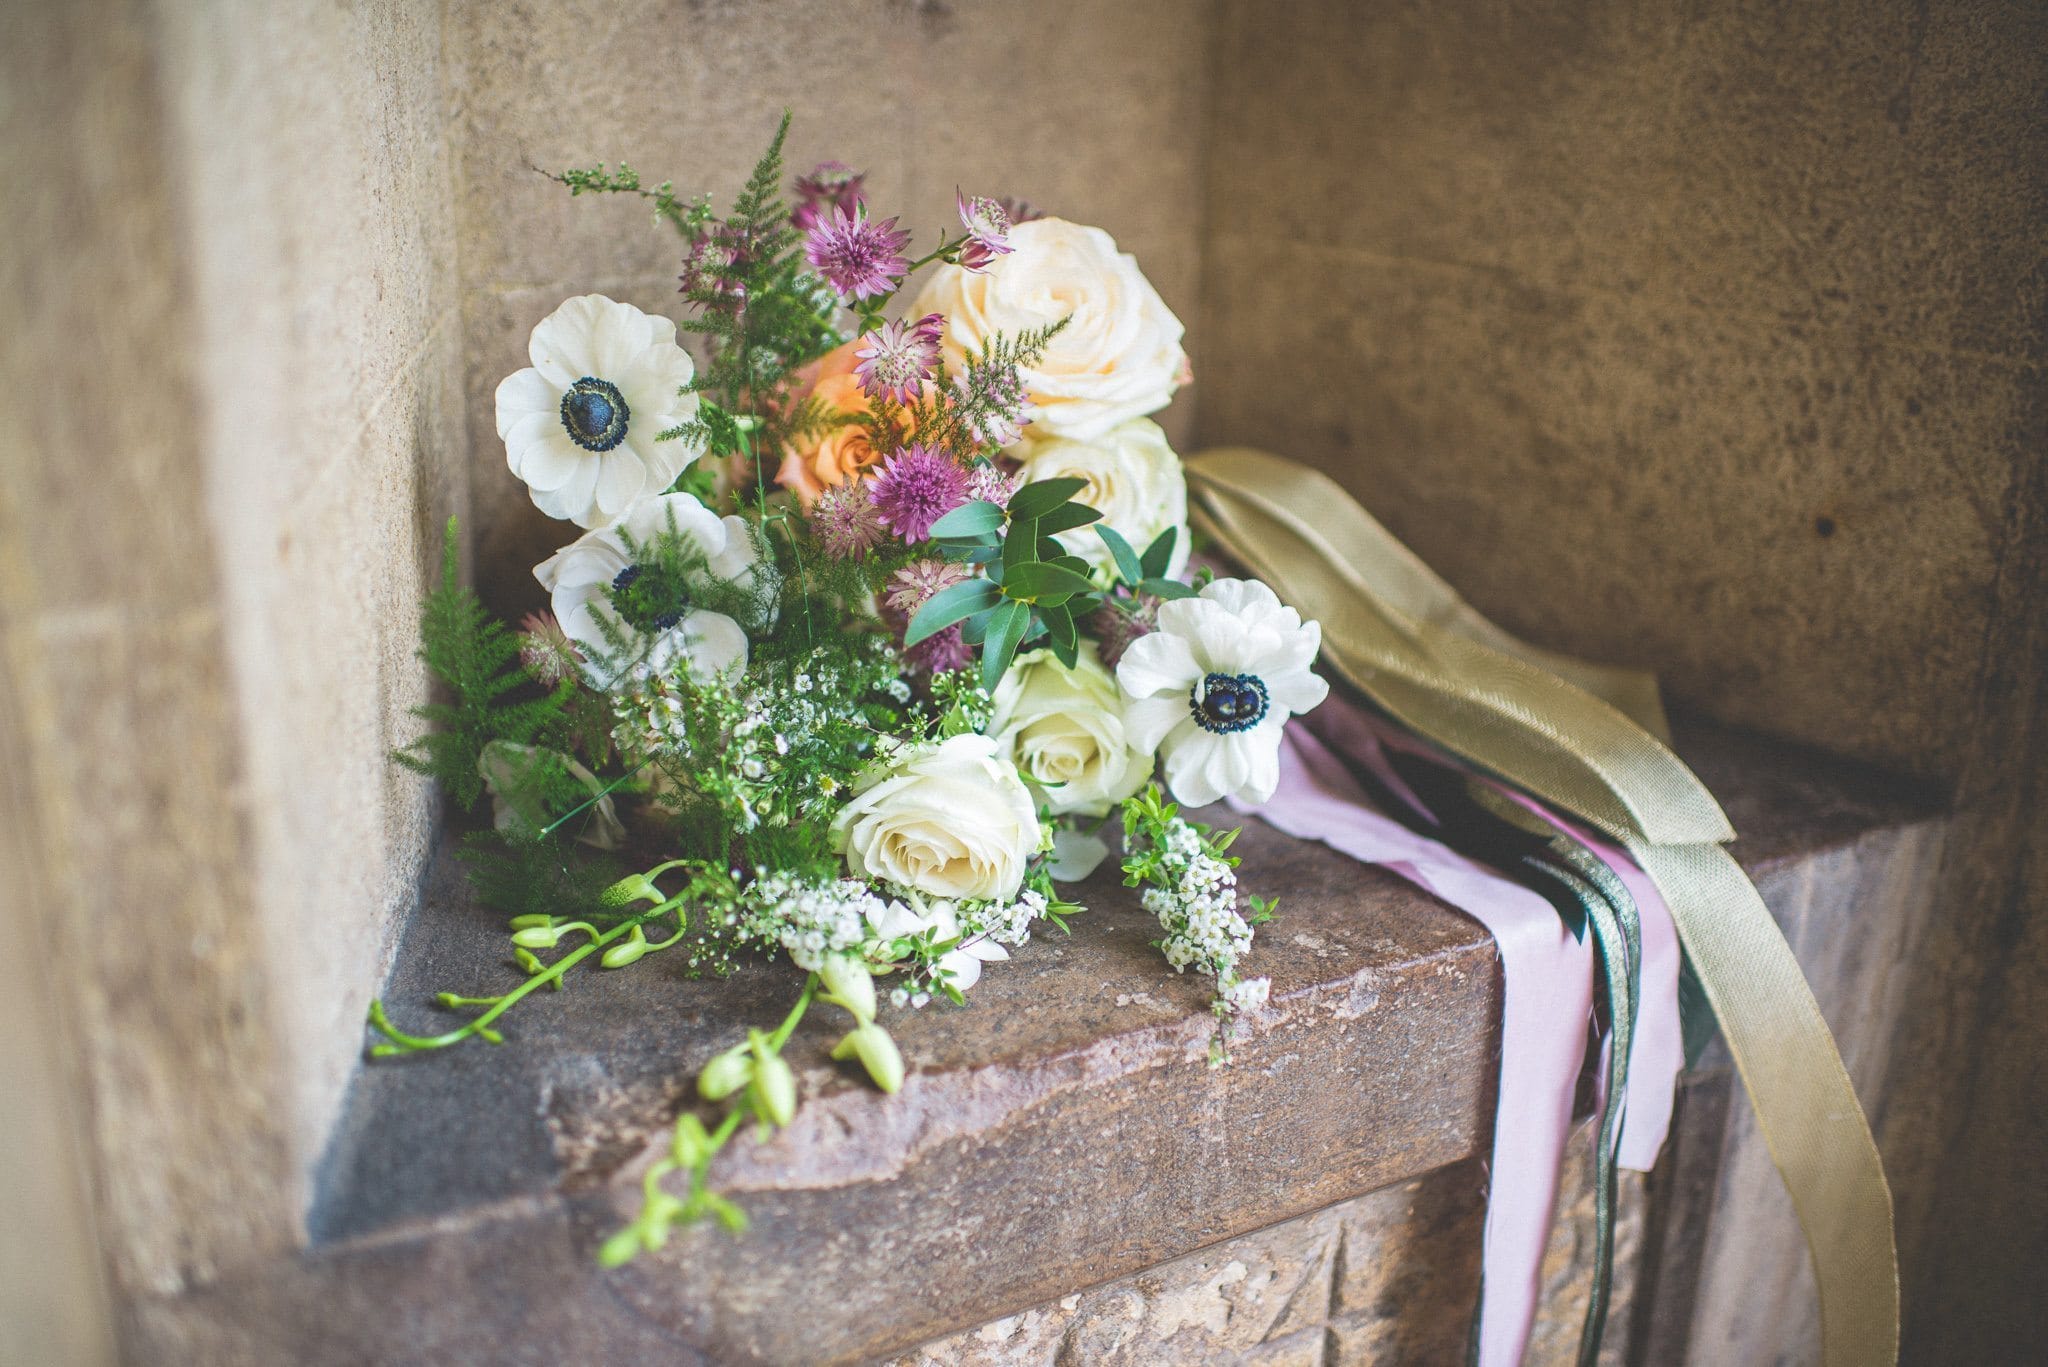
1061, 1132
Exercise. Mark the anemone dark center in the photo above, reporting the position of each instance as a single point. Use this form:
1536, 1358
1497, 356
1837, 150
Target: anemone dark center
595, 413
1225, 703
650, 598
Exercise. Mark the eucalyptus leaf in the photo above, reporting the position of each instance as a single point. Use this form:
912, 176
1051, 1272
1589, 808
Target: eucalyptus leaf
976, 627
1005, 629
1044, 583
1066, 517
1159, 554
969, 520
954, 547
950, 605
1168, 589
1059, 625
1036, 500
1127, 567
1020, 546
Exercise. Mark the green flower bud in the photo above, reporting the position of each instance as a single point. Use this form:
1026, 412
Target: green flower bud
634, 887
877, 1053
692, 1147
537, 919
851, 985
621, 1248
628, 950
537, 937
726, 1074
774, 1090
731, 1216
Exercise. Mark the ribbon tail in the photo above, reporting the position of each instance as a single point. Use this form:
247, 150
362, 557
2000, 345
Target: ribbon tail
1617, 934
1805, 1104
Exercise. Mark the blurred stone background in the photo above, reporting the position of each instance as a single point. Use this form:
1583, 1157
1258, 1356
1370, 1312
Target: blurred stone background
1707, 338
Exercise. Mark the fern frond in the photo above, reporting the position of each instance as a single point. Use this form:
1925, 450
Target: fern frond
476, 659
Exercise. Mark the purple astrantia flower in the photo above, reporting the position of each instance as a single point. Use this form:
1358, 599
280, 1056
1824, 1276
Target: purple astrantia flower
846, 522
857, 257
911, 587
988, 484
897, 358
940, 653
830, 185
918, 486
988, 230
994, 406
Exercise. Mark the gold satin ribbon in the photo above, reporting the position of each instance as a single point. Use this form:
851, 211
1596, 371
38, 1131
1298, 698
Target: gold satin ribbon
1590, 741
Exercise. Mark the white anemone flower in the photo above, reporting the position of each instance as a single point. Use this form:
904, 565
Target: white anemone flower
657, 625
580, 425
1212, 687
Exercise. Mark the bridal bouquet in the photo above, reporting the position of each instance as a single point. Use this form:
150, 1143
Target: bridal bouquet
879, 615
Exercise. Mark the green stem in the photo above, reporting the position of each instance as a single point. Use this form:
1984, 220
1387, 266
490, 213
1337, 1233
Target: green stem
589, 802
700, 1176
402, 1043
796, 1013
935, 254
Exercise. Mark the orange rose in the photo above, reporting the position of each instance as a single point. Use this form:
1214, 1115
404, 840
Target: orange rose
841, 453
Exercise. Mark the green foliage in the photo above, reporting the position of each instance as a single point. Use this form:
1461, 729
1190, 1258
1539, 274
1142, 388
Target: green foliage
688, 217
477, 659
539, 875
764, 313
756, 765
1034, 588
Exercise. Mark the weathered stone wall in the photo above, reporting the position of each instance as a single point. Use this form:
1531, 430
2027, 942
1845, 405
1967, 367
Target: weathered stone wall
1090, 109
1701, 340
1709, 339
234, 437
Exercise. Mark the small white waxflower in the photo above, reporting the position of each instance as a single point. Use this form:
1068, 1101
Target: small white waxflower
1213, 685
579, 426
596, 579
1246, 994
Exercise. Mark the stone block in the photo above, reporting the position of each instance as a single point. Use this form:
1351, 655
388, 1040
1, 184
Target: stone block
1063, 1132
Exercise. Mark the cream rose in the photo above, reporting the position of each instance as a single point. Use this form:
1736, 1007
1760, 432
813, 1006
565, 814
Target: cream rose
951, 819
1064, 730
1119, 357
1133, 479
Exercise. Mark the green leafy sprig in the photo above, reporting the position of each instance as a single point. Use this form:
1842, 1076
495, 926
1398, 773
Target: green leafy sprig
1030, 587
477, 658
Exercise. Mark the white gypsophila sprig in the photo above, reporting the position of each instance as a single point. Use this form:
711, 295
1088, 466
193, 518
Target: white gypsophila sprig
941, 944
809, 919
1190, 885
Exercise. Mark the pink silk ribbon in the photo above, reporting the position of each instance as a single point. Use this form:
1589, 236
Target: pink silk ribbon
1548, 994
